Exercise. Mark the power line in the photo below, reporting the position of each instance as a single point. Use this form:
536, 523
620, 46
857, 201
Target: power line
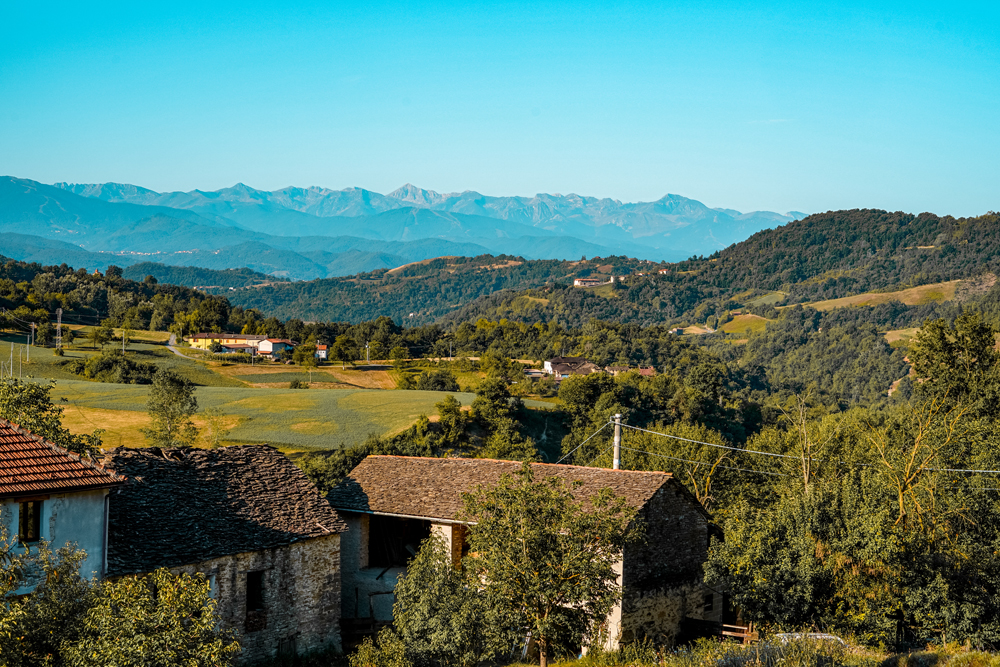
710, 444
788, 456
583, 443
674, 458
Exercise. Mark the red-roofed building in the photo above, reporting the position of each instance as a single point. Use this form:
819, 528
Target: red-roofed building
48, 493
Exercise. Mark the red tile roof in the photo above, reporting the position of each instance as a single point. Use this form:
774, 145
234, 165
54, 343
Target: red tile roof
30, 465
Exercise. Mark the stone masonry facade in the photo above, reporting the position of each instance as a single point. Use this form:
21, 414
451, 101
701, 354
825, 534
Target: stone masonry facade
301, 597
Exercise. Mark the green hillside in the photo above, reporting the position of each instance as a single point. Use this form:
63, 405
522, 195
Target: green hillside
193, 276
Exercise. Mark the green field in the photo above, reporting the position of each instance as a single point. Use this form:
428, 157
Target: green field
45, 364
288, 376
291, 419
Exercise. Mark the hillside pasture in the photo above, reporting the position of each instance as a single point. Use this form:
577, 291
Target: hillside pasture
913, 296
743, 324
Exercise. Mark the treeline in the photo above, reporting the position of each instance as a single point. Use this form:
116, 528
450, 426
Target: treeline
194, 276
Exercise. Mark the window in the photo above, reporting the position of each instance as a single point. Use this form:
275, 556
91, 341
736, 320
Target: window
29, 528
393, 541
255, 591
709, 604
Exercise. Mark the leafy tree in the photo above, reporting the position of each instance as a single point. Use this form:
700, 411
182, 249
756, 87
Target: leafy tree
560, 580
497, 365
387, 650
399, 355
344, 349
101, 335
171, 404
159, 619
437, 380
453, 421
30, 406
305, 356
494, 403
442, 615
959, 363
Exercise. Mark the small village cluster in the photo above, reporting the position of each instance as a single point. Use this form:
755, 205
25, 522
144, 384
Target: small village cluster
294, 571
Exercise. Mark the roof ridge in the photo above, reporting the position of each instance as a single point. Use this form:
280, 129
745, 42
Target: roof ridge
60, 450
534, 463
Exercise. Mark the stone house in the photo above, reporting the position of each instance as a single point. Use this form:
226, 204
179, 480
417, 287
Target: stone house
391, 503
50, 494
251, 522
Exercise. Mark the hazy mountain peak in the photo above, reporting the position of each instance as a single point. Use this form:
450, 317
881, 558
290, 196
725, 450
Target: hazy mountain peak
412, 194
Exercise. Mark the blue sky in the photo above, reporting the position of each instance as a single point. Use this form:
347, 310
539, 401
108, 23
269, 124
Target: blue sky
780, 106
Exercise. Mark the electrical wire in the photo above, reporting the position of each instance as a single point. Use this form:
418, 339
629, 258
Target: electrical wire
788, 456
674, 458
583, 443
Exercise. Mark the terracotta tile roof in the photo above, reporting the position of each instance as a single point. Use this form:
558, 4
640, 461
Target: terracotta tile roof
433, 487
30, 465
184, 506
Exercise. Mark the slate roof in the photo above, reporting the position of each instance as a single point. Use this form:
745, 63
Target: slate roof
433, 487
31, 465
184, 506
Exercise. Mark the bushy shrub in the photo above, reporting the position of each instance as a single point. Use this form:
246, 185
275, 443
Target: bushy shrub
113, 366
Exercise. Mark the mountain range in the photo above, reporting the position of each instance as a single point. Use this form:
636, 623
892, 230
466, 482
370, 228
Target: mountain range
306, 233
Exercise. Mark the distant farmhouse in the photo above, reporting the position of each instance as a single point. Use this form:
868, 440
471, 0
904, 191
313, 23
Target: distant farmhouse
242, 343
391, 503
206, 340
48, 493
563, 367
592, 282
251, 522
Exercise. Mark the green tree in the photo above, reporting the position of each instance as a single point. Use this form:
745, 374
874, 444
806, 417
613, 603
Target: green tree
560, 580
453, 421
102, 335
344, 349
442, 615
171, 404
399, 355
159, 619
30, 406
496, 365
494, 403
305, 356
959, 362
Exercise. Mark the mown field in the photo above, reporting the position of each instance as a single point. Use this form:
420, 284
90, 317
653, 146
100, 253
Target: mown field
290, 419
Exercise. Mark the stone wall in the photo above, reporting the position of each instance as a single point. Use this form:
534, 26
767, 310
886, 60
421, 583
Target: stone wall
656, 615
301, 591
675, 544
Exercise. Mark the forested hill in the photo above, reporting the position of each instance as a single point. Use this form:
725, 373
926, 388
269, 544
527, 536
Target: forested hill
823, 256
421, 292
207, 280
838, 253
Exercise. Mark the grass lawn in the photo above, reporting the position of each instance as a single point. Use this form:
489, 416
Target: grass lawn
290, 419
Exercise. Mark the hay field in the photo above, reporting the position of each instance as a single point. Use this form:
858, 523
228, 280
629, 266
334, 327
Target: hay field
914, 296
290, 419
747, 323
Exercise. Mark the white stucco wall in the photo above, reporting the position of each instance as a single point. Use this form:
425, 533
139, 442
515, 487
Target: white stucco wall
67, 518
